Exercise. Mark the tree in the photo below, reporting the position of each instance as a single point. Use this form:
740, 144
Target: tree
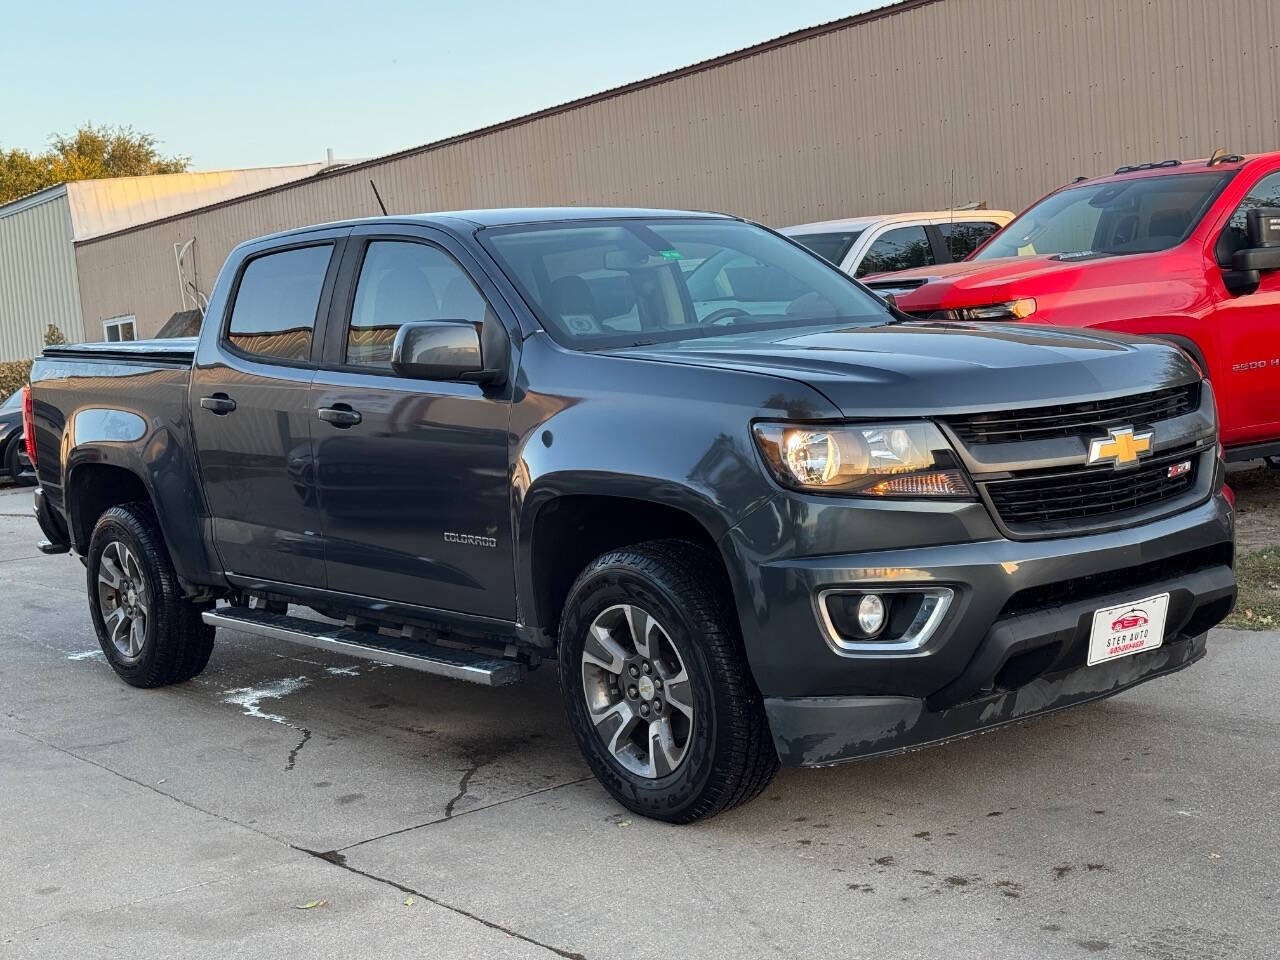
92, 152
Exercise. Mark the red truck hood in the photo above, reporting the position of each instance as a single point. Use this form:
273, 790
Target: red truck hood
975, 283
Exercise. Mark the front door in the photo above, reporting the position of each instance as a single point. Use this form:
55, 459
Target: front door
252, 417
1248, 330
412, 474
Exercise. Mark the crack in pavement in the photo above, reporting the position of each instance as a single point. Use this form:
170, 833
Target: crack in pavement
476, 764
293, 754
333, 857
338, 860
487, 806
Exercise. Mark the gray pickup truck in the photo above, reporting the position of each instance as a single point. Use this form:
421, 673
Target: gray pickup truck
753, 513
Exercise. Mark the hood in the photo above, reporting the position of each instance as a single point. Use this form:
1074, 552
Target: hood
916, 368
975, 283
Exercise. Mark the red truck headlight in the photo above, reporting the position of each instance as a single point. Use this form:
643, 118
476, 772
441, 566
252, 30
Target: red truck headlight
1018, 309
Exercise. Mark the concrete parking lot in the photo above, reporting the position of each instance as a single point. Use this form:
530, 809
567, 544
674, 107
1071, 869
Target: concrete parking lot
288, 803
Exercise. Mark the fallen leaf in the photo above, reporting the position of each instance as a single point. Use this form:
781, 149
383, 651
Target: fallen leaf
409, 902
624, 823
1215, 856
311, 904
1248, 614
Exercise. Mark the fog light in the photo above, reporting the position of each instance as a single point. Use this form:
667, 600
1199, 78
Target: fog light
891, 620
871, 614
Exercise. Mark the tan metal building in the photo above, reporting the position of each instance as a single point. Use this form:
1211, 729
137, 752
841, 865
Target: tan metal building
38, 281
918, 105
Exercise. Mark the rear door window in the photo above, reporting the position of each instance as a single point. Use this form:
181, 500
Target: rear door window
962, 237
898, 249
274, 315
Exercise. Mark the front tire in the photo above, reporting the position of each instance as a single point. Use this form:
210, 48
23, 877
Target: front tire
149, 632
656, 684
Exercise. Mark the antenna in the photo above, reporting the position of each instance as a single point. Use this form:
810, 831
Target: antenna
377, 196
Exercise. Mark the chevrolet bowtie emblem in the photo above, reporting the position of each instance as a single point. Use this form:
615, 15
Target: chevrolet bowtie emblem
1122, 447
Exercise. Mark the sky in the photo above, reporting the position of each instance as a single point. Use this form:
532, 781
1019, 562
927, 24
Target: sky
241, 84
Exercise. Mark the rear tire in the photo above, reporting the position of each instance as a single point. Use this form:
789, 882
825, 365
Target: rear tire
149, 632
702, 744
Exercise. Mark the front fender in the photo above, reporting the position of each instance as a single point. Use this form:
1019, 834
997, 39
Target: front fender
670, 434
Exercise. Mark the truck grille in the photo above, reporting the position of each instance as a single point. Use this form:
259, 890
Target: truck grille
1044, 499
1075, 419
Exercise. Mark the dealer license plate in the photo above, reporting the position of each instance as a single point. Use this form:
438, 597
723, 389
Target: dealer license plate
1128, 628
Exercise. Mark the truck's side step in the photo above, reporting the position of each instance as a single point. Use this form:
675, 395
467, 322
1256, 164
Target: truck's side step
403, 652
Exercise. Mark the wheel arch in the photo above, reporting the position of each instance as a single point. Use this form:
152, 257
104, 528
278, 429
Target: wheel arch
564, 530
98, 478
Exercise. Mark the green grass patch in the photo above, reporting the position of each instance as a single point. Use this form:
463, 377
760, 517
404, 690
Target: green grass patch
1258, 606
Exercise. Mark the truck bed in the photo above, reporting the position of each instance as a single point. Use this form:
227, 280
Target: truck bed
178, 350
122, 407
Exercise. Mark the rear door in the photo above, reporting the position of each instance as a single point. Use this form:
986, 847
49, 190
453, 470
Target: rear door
251, 412
412, 474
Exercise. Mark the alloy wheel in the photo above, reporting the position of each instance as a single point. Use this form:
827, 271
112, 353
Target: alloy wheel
637, 689
122, 599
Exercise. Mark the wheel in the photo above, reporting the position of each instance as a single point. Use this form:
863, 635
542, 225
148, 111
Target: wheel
16, 463
150, 633
656, 684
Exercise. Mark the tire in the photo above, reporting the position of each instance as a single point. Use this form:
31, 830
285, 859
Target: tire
168, 643
13, 461
718, 755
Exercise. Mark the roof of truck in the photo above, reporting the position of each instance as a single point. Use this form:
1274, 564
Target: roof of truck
862, 223
498, 217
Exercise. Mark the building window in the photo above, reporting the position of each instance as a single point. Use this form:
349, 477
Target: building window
120, 328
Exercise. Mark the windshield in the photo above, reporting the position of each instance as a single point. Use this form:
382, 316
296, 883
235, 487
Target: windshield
829, 246
1121, 217
604, 283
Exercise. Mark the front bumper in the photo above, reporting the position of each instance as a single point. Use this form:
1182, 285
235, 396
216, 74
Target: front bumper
820, 731
1013, 644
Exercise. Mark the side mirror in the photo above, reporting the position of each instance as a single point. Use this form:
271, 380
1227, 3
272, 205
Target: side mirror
450, 350
1263, 252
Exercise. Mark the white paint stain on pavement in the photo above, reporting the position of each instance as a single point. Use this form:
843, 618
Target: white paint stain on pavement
342, 671
86, 655
250, 698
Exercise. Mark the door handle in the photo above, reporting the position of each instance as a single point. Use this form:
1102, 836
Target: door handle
219, 403
340, 415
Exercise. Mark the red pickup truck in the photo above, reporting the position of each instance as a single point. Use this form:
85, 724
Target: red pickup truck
1186, 251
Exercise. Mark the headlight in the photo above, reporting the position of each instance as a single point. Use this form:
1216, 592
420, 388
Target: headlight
883, 460
1012, 310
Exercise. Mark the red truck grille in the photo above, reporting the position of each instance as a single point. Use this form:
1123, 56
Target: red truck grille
1075, 419
1045, 501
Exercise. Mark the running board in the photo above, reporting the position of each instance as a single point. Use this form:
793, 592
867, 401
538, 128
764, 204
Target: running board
478, 668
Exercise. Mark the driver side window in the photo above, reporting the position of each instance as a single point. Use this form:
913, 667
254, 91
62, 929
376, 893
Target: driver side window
1264, 193
402, 282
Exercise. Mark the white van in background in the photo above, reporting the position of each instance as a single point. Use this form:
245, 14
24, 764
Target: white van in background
882, 244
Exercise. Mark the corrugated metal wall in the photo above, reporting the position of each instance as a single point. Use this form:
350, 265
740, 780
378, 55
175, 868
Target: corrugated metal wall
951, 101
37, 278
